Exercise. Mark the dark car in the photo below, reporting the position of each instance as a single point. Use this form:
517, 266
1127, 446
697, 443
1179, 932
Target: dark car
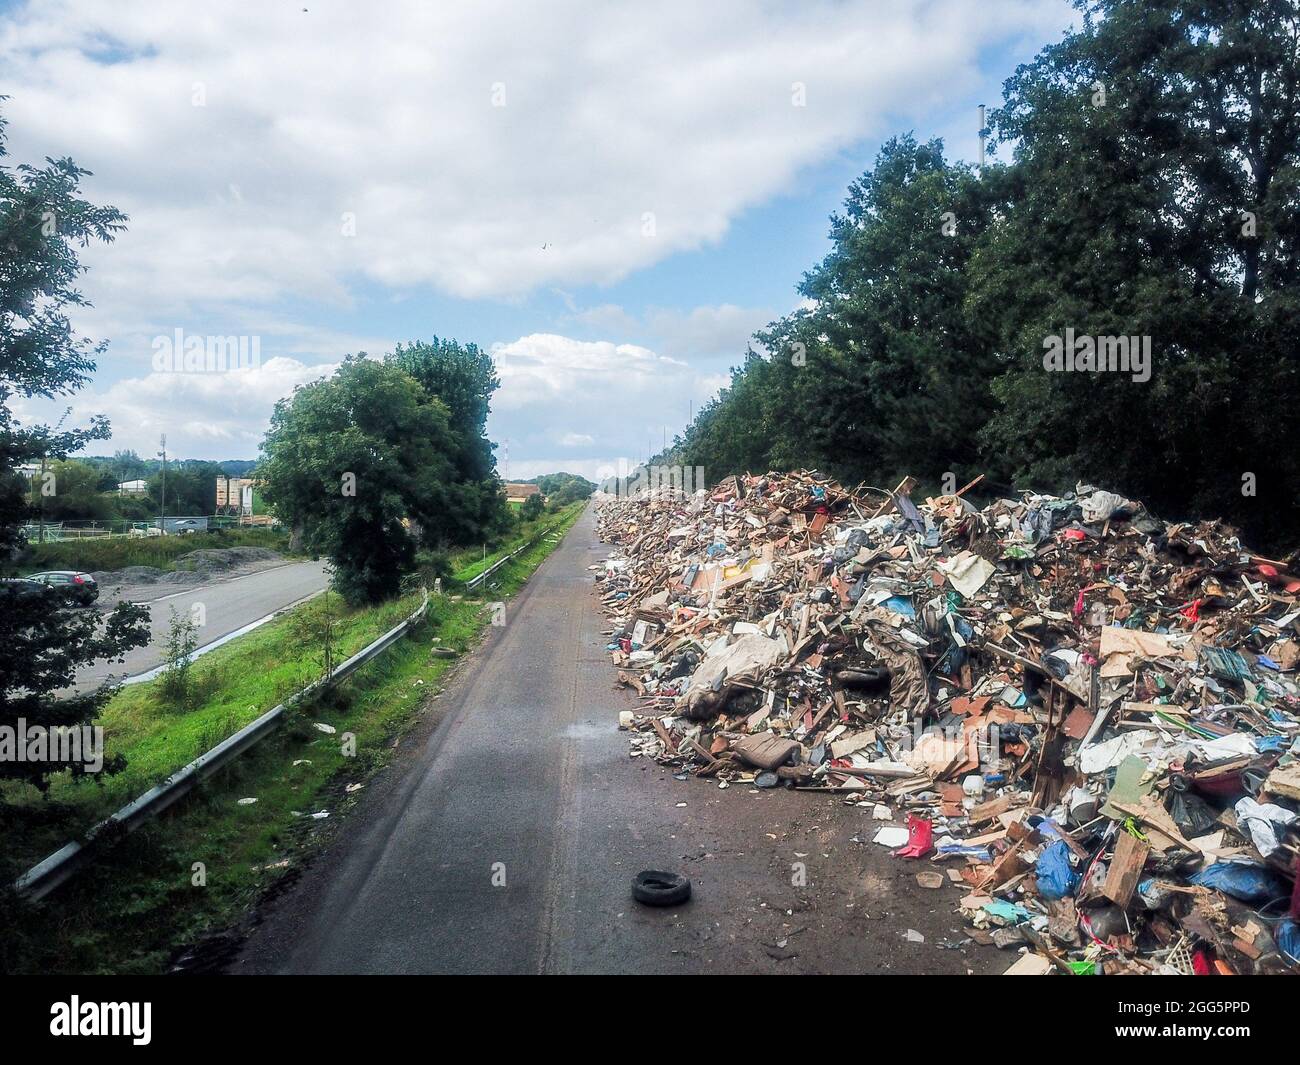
23, 588
75, 587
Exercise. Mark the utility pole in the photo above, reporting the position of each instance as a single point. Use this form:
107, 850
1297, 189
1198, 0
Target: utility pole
162, 516
41, 538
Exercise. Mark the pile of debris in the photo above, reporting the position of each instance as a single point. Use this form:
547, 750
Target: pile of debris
1089, 716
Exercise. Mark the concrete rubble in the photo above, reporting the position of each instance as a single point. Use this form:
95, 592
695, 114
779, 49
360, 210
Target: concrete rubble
1085, 718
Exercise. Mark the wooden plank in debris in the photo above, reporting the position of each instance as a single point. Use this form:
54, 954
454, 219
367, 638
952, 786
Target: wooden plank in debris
1125, 869
988, 811
904, 487
664, 735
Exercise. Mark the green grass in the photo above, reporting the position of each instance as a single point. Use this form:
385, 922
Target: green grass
470, 564
160, 552
137, 906
230, 687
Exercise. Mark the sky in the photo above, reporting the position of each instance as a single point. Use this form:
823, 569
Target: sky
610, 198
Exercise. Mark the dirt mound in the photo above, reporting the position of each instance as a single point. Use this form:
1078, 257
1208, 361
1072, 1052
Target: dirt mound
191, 568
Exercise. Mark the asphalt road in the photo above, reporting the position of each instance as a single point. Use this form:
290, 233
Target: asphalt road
505, 837
228, 606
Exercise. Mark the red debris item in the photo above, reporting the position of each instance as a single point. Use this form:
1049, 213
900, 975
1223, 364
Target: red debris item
1192, 611
1073, 534
1201, 963
1078, 604
920, 838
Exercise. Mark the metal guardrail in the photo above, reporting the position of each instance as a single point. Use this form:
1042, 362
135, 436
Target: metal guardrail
474, 582
69, 859
64, 863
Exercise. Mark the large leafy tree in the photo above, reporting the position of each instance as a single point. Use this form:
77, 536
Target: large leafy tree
1152, 190
362, 461
561, 489
78, 493
43, 222
885, 371
463, 377
1155, 189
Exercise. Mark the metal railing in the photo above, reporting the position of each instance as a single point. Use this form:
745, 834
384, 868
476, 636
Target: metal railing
474, 582
69, 859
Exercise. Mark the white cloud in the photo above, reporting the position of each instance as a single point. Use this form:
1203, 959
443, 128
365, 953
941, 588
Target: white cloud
591, 395
700, 333
205, 415
627, 135
683, 112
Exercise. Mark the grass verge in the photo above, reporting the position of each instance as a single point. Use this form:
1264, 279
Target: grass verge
468, 566
161, 552
141, 903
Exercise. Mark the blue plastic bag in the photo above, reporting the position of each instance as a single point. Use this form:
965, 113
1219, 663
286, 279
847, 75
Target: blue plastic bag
1287, 936
1056, 876
1249, 883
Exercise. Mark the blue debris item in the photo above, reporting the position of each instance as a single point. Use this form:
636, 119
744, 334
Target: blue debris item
1056, 876
900, 605
1011, 912
954, 657
1265, 744
1287, 937
1225, 664
1249, 883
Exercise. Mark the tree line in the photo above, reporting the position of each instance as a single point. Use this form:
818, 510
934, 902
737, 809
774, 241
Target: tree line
86, 488
1115, 302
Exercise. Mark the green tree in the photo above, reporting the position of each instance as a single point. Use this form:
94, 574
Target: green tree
1155, 191
76, 495
361, 461
561, 489
463, 377
532, 508
886, 371
43, 221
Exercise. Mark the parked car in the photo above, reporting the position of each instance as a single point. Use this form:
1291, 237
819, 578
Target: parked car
75, 587
23, 587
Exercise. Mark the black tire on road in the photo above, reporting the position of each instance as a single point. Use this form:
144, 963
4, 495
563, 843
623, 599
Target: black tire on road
656, 888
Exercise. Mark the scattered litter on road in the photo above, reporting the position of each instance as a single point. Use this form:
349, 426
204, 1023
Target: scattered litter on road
1087, 714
